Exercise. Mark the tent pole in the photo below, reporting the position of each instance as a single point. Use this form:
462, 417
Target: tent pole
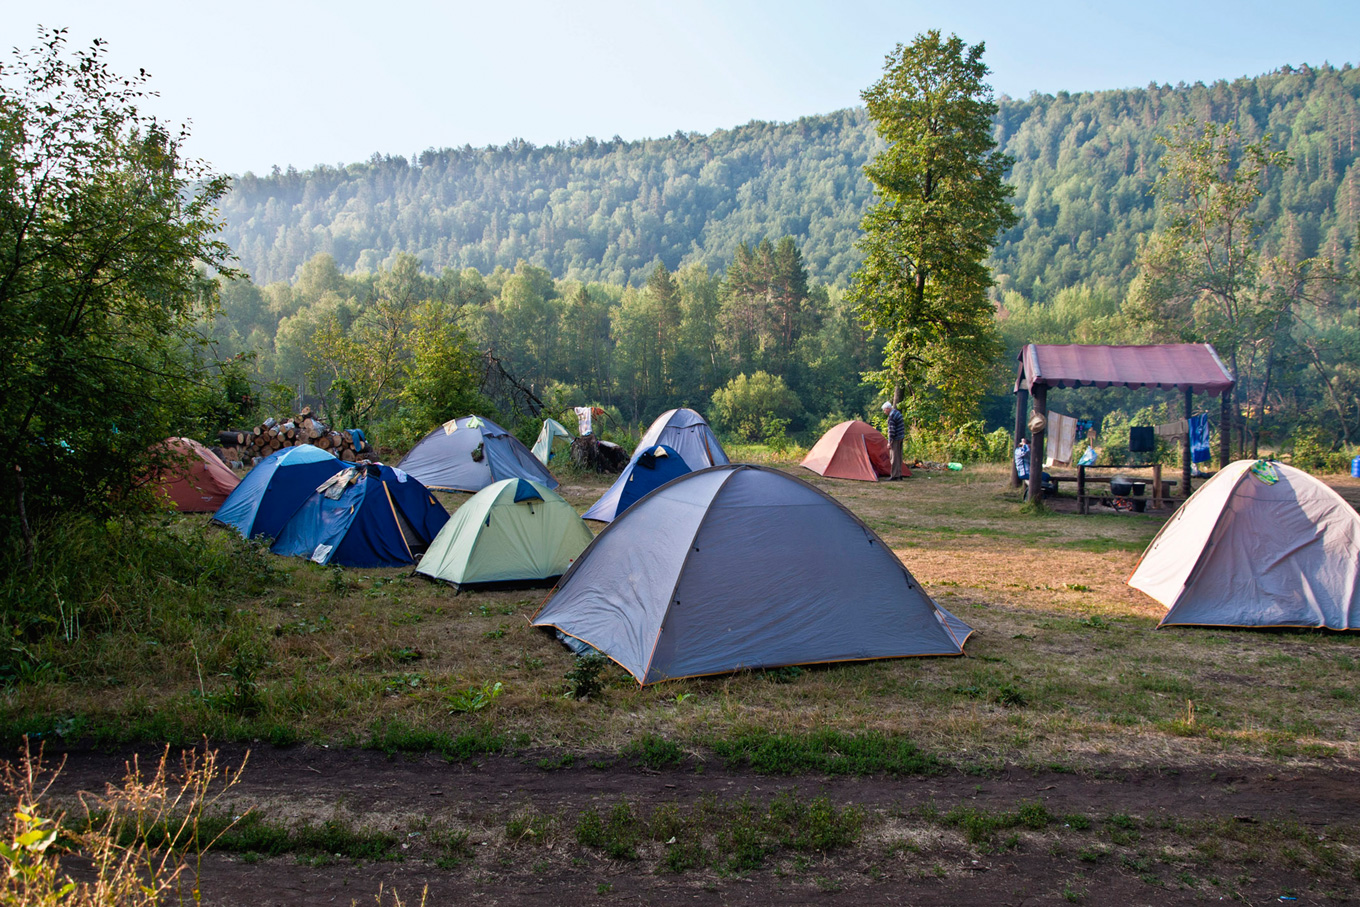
1021, 404
1036, 443
1185, 450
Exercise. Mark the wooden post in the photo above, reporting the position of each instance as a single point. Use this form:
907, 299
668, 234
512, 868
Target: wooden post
1036, 443
1224, 427
1185, 451
1081, 488
1156, 486
1021, 404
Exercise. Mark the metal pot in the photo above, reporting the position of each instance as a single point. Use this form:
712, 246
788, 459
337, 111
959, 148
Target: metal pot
1121, 486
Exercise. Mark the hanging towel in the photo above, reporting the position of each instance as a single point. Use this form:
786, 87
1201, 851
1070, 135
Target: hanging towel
1062, 435
1177, 429
1199, 438
1141, 439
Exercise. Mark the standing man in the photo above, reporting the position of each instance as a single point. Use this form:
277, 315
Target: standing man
897, 431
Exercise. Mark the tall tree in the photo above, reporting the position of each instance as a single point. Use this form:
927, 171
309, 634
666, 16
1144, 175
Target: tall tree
940, 203
104, 225
1204, 278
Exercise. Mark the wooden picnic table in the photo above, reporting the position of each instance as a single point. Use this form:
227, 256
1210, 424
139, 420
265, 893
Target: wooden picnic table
1159, 485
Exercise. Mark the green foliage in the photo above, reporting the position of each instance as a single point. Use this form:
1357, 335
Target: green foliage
585, 680
655, 751
832, 752
393, 736
474, 699
617, 832
940, 203
154, 576
758, 408
104, 226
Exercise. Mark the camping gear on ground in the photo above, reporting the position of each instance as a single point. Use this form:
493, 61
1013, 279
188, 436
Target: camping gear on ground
367, 516
274, 489
648, 471
1246, 551
850, 450
551, 431
195, 480
744, 567
686, 432
513, 530
469, 454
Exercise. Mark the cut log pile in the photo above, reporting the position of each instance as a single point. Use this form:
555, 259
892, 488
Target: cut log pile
304, 428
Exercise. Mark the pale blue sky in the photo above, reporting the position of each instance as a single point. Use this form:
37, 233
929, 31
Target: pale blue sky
303, 82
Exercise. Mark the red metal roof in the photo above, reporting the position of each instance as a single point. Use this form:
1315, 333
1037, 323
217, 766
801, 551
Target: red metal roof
1193, 366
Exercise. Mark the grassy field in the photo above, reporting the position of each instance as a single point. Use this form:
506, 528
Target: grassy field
1065, 670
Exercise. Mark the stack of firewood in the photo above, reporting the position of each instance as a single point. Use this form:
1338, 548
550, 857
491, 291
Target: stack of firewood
276, 434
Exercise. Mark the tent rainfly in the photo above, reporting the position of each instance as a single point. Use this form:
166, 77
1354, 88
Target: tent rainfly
1259, 545
742, 567
469, 454
368, 516
1188, 367
196, 481
275, 488
551, 431
851, 450
686, 432
649, 469
513, 530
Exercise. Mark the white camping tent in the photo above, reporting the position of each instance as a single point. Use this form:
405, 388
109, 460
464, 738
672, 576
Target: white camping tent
1246, 551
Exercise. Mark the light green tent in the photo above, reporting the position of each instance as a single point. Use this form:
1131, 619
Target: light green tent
551, 431
514, 530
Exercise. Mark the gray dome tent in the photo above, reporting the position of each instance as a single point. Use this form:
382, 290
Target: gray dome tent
686, 432
739, 567
469, 454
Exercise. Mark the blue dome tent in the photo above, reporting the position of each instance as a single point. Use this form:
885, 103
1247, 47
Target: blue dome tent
370, 516
272, 491
649, 469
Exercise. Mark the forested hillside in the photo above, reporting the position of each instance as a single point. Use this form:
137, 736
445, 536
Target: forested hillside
606, 211
710, 270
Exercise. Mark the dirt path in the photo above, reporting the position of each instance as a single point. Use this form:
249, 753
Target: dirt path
1153, 851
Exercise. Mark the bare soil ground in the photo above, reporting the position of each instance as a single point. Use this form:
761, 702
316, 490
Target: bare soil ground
1146, 843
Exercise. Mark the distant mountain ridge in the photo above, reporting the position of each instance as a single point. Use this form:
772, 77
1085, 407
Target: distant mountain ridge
606, 211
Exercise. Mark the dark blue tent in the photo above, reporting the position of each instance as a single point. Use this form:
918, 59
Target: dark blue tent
272, 491
649, 469
375, 516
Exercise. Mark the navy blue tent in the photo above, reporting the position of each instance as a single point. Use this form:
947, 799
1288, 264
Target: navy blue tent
469, 454
649, 469
272, 491
372, 516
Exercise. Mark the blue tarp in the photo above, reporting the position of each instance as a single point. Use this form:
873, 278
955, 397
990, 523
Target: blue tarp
274, 489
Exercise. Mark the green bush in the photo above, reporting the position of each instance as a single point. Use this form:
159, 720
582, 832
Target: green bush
757, 408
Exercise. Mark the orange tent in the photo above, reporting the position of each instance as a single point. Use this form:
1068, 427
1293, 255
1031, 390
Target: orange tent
197, 481
851, 450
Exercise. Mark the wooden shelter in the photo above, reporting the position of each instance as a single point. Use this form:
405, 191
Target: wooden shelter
1189, 367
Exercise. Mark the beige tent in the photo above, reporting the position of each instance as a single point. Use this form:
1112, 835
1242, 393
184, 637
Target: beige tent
1246, 551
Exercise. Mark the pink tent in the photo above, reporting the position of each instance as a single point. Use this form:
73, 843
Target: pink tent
851, 450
